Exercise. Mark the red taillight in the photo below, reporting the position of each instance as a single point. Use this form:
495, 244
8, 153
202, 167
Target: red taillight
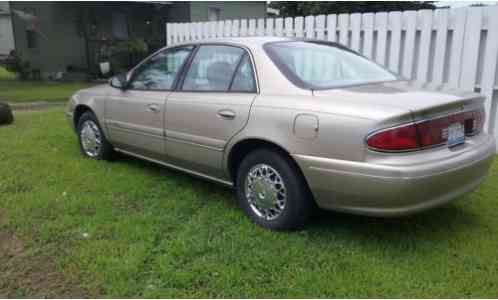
428, 133
396, 139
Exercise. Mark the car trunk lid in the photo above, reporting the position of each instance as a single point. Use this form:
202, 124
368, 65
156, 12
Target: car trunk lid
423, 100
438, 115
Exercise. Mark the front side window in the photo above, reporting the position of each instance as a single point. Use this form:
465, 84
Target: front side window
212, 68
320, 66
160, 71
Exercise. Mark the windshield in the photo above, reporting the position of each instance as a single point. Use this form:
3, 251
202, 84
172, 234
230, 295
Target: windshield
315, 65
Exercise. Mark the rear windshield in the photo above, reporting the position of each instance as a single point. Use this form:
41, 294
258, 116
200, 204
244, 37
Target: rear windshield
315, 65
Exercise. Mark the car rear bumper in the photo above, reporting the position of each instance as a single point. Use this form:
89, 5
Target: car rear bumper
382, 189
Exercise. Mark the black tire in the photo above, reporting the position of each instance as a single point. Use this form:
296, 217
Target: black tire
6, 116
299, 203
105, 151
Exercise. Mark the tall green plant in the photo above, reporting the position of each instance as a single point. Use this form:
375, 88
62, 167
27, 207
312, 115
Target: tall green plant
17, 65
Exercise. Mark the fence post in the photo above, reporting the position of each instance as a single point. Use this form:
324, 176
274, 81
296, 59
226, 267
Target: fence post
424, 45
320, 27
332, 28
298, 27
270, 27
279, 27
355, 31
289, 31
471, 48
368, 34
456, 47
381, 27
394, 22
343, 29
489, 72
441, 22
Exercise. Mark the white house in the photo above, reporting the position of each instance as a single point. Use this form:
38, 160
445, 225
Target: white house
6, 33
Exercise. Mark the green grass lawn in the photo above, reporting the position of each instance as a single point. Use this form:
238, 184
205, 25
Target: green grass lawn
15, 91
132, 229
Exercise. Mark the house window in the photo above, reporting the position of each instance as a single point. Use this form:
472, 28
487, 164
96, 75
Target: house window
31, 39
119, 26
213, 14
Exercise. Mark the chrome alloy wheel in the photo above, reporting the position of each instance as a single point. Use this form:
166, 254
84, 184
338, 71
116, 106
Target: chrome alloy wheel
91, 139
265, 191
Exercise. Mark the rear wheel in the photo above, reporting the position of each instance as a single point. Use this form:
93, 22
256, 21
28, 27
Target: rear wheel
272, 191
93, 142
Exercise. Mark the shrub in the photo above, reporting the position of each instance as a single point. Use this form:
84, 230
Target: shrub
15, 64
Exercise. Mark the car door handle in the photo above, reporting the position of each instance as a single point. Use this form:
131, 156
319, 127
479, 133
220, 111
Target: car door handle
226, 114
153, 107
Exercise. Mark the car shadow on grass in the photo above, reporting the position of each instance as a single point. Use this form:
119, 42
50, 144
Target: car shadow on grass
435, 224
178, 177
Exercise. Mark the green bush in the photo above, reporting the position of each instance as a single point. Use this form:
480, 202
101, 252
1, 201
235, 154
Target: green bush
15, 64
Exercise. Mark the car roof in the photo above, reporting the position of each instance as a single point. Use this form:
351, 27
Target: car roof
244, 41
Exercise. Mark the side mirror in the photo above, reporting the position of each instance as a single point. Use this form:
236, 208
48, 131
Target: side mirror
119, 81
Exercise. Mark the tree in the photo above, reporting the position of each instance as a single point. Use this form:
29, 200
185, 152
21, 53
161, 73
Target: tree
293, 9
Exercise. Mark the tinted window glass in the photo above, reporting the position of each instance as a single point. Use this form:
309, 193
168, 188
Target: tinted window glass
212, 68
159, 72
316, 65
244, 79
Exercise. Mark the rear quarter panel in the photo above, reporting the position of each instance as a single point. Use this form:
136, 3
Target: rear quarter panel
342, 127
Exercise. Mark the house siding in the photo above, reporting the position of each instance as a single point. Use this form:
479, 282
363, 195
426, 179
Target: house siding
63, 44
228, 10
6, 33
59, 45
179, 12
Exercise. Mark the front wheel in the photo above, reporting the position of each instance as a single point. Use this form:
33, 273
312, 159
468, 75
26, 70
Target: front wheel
93, 142
272, 191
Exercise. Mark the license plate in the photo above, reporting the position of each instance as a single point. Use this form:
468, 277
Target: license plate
456, 134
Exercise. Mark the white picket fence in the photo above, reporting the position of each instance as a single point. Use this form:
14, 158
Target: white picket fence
454, 47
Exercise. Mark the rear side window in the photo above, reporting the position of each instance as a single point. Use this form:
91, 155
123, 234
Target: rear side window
212, 68
243, 80
314, 65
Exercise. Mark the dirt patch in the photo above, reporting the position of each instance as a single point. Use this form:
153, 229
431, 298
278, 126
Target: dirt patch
10, 246
24, 274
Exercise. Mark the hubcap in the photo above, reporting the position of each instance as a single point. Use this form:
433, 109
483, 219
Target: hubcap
265, 191
90, 138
